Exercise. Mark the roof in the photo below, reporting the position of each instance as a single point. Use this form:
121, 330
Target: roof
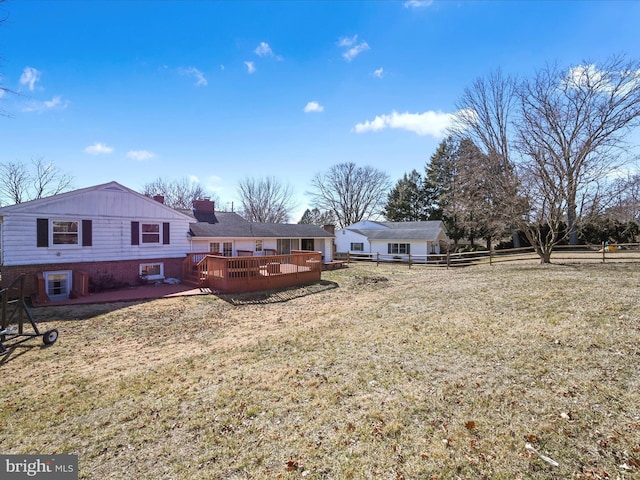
34, 205
426, 230
232, 225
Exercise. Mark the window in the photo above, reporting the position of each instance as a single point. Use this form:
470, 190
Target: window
214, 247
58, 285
399, 248
258, 245
150, 233
61, 232
357, 247
64, 233
152, 271
227, 249
285, 245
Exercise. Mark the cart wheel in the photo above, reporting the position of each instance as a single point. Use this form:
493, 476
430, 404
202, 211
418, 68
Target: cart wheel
50, 336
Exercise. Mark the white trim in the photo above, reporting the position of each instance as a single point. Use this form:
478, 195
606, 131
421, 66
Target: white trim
152, 277
52, 244
67, 290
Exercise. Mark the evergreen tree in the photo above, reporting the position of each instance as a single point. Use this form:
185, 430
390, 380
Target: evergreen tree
317, 217
442, 193
407, 201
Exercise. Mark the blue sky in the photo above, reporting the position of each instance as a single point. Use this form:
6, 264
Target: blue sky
218, 90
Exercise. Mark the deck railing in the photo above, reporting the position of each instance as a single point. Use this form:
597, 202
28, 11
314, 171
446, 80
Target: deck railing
250, 274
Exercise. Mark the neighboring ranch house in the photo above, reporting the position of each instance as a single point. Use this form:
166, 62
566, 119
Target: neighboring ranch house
399, 239
65, 241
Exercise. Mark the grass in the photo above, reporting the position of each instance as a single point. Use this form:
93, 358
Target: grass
378, 372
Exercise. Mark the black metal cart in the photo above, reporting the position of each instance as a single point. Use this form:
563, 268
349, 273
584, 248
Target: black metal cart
14, 311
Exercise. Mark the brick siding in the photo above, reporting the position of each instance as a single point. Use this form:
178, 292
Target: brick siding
126, 271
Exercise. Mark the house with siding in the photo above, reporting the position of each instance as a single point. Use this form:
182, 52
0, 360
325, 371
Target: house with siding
64, 242
399, 239
228, 234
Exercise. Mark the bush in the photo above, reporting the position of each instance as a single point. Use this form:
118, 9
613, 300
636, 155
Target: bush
105, 281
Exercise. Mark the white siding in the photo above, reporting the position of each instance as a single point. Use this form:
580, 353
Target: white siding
344, 239
111, 211
111, 241
323, 245
417, 247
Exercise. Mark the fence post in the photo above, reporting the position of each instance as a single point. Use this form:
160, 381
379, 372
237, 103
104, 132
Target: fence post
448, 259
603, 252
409, 260
377, 259
491, 256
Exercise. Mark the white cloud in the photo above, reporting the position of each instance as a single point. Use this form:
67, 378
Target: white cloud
194, 179
347, 41
29, 77
55, 103
263, 50
430, 123
250, 67
140, 155
417, 3
379, 72
356, 50
200, 80
98, 149
313, 107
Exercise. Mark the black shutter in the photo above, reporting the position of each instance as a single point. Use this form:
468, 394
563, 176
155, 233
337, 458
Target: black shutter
165, 233
42, 234
87, 233
135, 233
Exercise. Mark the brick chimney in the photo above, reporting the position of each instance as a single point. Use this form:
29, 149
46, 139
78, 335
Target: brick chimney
204, 206
330, 228
159, 199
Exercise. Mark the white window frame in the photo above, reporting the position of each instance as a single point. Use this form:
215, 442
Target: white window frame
159, 276
214, 247
258, 245
61, 296
396, 246
142, 234
52, 233
227, 249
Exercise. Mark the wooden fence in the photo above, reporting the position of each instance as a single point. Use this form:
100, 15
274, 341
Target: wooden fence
251, 274
623, 252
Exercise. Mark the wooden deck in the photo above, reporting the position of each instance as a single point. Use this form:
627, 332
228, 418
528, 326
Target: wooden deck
251, 274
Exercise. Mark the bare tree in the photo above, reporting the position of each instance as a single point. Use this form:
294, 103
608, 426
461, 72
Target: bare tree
265, 200
177, 193
572, 128
3, 90
20, 183
484, 117
350, 192
559, 135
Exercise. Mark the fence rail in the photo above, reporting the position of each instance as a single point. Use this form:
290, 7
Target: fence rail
621, 252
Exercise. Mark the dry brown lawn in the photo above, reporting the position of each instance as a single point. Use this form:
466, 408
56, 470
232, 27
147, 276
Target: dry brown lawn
379, 372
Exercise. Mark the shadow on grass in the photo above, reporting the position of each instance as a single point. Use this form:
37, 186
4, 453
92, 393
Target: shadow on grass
16, 350
277, 296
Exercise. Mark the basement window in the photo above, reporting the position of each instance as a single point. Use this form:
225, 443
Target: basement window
58, 285
152, 271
